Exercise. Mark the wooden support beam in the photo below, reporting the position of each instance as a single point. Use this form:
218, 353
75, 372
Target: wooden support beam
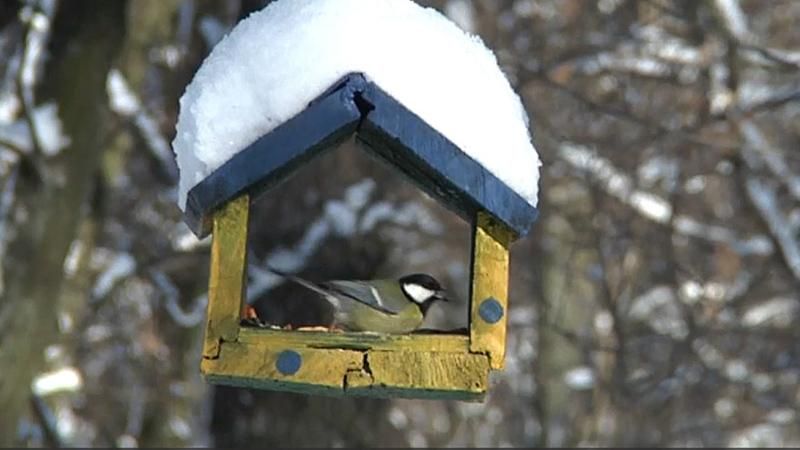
489, 297
373, 373
226, 282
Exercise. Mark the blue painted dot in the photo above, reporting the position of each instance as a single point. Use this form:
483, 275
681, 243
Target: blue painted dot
491, 310
288, 362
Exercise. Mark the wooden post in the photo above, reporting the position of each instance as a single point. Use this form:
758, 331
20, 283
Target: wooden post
226, 282
489, 297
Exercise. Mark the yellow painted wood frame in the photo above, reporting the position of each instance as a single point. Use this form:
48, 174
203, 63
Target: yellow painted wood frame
417, 365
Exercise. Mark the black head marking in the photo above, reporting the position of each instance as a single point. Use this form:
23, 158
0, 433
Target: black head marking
424, 280
427, 282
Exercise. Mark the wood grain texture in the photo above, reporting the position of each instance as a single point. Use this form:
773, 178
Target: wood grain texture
451, 343
227, 277
490, 266
432, 372
256, 363
374, 373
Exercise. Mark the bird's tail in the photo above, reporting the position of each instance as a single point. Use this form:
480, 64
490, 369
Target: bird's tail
305, 283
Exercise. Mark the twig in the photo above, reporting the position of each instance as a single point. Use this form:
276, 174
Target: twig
6, 203
734, 22
125, 103
763, 198
653, 207
15, 148
47, 420
25, 86
616, 183
774, 101
683, 133
171, 295
771, 156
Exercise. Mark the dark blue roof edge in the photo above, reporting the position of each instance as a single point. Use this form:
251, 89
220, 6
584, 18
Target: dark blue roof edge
437, 165
327, 121
390, 130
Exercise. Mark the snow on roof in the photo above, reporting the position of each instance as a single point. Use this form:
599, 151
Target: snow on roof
278, 59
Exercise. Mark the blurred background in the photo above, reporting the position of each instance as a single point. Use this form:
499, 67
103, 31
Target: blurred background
655, 302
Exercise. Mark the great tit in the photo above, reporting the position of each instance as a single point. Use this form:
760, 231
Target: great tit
392, 306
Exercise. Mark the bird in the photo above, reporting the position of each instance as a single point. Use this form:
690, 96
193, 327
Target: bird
388, 305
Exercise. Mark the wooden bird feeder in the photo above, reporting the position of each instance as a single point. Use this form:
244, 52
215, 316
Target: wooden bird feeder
416, 365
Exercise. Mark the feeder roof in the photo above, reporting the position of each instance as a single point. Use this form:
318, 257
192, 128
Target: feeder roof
277, 61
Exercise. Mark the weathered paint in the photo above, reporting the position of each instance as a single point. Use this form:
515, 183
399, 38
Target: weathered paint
490, 310
490, 265
462, 372
322, 368
227, 275
446, 343
373, 373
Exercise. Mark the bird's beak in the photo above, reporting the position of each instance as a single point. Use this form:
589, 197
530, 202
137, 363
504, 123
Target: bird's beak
442, 295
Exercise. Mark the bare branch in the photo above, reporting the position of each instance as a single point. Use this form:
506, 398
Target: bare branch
125, 103
763, 197
734, 21
653, 207
770, 155
37, 32
47, 420
170, 292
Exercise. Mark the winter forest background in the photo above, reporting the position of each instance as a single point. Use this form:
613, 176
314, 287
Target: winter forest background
655, 302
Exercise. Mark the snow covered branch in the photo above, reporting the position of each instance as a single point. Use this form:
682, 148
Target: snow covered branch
769, 155
653, 207
125, 103
37, 32
763, 197
616, 183
734, 20
171, 296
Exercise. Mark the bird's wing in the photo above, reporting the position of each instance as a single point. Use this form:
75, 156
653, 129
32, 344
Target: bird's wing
338, 289
364, 293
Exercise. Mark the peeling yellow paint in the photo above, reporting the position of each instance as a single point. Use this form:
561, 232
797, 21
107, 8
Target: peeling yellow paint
227, 275
490, 265
453, 343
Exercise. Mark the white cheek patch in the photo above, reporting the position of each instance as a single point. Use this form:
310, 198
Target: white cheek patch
418, 293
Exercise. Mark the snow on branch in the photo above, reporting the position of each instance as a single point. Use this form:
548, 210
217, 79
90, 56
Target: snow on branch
616, 183
756, 245
120, 267
48, 138
654, 53
38, 19
125, 103
734, 20
763, 197
771, 156
171, 294
653, 207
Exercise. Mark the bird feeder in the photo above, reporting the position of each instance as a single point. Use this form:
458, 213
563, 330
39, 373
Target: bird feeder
416, 365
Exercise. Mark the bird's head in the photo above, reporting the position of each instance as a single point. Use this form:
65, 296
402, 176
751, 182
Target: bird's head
422, 289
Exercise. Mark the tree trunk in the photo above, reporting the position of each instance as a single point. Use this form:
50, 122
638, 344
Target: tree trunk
48, 211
